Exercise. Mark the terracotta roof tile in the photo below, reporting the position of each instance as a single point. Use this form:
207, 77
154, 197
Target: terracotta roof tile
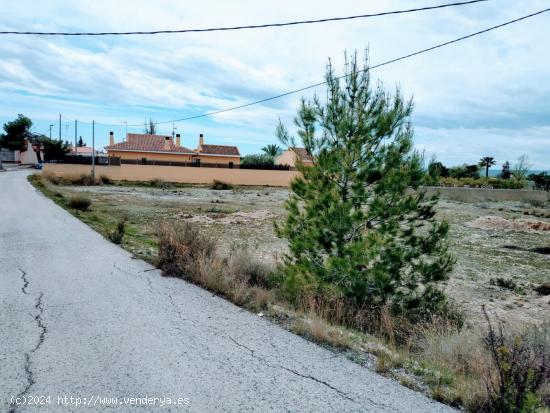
148, 143
219, 150
302, 154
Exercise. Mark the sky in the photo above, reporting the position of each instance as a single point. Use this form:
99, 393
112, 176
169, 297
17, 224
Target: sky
485, 96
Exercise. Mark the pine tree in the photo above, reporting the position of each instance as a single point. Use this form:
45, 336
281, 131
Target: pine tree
359, 226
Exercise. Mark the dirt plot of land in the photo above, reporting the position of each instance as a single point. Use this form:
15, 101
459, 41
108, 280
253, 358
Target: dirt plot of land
502, 254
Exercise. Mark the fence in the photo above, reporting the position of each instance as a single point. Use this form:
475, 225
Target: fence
181, 174
116, 161
7, 155
86, 160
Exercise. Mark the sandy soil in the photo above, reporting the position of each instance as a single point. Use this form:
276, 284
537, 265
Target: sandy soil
489, 239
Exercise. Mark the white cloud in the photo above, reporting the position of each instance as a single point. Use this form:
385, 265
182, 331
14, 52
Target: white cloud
496, 81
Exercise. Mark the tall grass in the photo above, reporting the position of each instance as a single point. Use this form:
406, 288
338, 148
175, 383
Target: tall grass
187, 253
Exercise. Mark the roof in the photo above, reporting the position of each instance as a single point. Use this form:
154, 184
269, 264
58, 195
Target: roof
219, 150
82, 149
302, 154
148, 143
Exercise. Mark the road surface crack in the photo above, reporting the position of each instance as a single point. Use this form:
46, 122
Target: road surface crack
252, 353
307, 376
25, 281
38, 318
245, 347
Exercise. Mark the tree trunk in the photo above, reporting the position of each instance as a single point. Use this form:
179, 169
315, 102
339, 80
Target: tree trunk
486, 171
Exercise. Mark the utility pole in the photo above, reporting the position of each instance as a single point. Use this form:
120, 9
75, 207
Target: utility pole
75, 133
60, 127
93, 151
51, 126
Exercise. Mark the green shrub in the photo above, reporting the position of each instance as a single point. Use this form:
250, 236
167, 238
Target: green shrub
496, 183
259, 161
220, 186
522, 365
80, 202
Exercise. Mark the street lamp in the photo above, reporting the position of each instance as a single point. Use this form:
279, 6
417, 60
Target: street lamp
51, 126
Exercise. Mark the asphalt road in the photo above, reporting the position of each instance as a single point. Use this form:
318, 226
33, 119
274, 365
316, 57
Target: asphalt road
79, 317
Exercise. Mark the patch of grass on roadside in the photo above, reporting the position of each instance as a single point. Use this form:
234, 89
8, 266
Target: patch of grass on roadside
139, 238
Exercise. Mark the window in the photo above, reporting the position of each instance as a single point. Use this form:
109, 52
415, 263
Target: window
144, 161
197, 162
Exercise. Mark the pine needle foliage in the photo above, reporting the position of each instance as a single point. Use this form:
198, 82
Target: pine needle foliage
359, 225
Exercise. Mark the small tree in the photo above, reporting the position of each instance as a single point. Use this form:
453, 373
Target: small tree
16, 132
486, 162
150, 128
506, 173
359, 225
53, 148
521, 168
272, 150
80, 143
437, 170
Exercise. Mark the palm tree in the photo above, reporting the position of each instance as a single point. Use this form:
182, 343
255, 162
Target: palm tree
272, 150
487, 162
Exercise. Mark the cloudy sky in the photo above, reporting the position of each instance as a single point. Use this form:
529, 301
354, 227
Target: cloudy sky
488, 95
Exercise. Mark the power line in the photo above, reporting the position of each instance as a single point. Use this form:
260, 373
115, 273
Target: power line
440, 45
344, 76
256, 26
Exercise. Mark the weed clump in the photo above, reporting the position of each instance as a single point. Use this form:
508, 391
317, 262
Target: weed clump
502, 282
159, 183
220, 186
117, 235
82, 203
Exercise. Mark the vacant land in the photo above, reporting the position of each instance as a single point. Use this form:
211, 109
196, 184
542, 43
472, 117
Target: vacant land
502, 248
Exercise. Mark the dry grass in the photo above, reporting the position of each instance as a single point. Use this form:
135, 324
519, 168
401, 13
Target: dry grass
185, 252
83, 179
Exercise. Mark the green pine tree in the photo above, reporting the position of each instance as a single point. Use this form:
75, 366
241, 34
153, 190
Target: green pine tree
359, 226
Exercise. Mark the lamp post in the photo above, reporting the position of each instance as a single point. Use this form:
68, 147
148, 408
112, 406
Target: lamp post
51, 126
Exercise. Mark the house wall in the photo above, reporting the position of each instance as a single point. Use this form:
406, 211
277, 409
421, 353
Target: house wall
151, 156
28, 157
289, 157
219, 159
174, 157
180, 174
286, 158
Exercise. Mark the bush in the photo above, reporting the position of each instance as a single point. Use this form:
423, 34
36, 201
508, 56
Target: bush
117, 234
79, 202
220, 186
497, 183
159, 183
522, 368
106, 180
464, 171
507, 283
258, 161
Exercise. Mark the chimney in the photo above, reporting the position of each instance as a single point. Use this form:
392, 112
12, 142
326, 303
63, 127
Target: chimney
167, 141
111, 138
201, 140
178, 139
